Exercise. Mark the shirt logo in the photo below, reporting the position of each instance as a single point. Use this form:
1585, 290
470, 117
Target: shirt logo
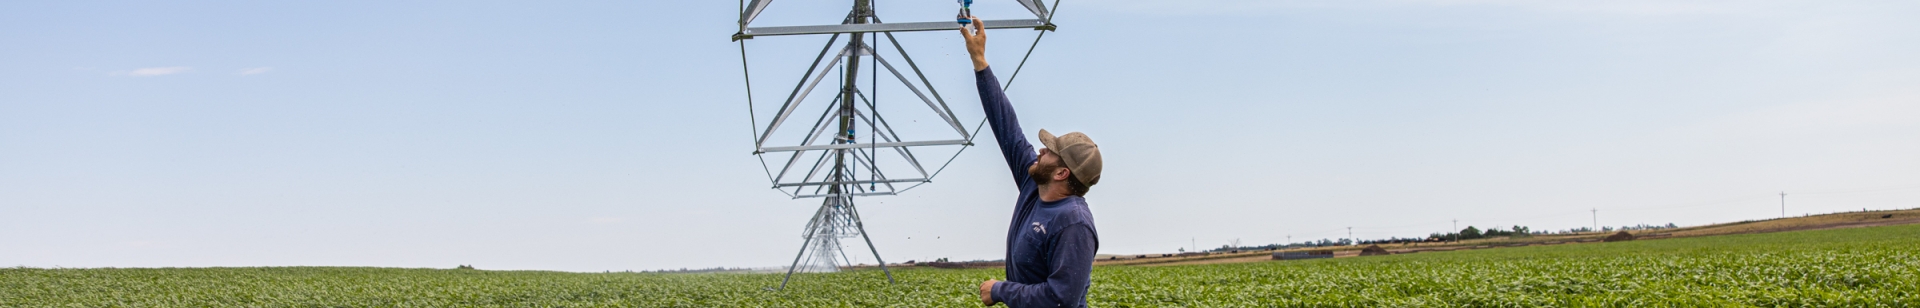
1037, 227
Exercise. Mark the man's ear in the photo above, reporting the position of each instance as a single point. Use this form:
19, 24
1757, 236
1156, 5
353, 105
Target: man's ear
1061, 174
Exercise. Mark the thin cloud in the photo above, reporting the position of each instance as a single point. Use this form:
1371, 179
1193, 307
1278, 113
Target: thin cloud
1623, 7
254, 71
153, 71
1816, 120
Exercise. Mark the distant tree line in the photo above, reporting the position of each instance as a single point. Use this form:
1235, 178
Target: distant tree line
699, 270
1638, 227
1306, 244
1474, 233
1470, 233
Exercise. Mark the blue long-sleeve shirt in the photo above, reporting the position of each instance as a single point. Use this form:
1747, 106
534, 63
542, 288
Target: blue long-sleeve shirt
1050, 245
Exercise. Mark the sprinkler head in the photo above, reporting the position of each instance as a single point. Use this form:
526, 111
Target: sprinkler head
965, 10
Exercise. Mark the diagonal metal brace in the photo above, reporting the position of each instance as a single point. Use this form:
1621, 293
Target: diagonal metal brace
750, 33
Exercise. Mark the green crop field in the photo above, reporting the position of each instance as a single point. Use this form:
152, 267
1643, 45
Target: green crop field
1863, 267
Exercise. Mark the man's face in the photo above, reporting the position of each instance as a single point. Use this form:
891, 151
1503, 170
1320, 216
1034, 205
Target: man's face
1043, 168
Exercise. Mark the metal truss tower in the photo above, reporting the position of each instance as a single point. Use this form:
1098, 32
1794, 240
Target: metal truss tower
850, 163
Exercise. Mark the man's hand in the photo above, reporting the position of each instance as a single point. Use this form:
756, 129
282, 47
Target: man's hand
976, 42
986, 288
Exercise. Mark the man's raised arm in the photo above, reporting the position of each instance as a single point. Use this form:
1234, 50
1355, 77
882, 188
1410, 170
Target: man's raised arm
1006, 126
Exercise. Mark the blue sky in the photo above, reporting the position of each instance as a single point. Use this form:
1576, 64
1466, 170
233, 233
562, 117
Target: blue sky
589, 136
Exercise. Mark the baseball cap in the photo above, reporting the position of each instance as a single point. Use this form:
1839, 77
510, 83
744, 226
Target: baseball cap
1077, 152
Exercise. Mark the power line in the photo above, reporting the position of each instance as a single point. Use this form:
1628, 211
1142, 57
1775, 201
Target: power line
1861, 191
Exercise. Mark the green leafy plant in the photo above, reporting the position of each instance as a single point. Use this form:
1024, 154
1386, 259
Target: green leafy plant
1858, 267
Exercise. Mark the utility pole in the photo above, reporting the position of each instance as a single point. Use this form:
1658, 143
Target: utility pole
1596, 219
1456, 230
1350, 240
1193, 242
1783, 204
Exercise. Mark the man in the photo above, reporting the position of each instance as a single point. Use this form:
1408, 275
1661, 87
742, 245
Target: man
1051, 242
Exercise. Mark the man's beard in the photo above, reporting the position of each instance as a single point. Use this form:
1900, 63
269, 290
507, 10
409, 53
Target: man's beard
1042, 174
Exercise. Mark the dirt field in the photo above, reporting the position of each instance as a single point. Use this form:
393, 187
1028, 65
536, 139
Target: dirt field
1814, 222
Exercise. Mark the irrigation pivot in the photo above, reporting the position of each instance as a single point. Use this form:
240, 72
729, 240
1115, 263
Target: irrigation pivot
852, 150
